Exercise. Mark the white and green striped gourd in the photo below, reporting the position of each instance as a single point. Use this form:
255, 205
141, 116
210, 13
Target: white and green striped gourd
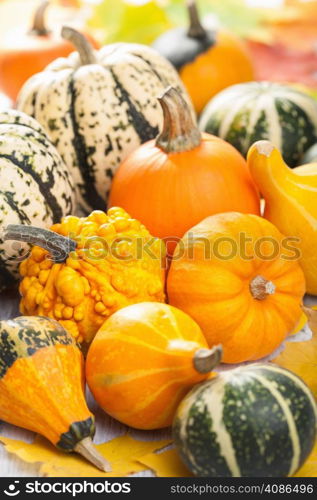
98, 106
36, 187
252, 421
245, 113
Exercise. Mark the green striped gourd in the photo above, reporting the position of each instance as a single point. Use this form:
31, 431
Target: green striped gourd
97, 107
253, 421
35, 185
249, 112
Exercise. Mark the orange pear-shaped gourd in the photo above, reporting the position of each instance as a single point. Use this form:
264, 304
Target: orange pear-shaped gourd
290, 202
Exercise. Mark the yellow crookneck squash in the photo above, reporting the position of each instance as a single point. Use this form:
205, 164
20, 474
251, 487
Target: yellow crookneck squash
143, 361
85, 269
234, 275
41, 385
290, 202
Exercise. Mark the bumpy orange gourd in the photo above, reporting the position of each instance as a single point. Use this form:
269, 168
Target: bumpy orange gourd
100, 263
176, 181
239, 278
143, 360
41, 385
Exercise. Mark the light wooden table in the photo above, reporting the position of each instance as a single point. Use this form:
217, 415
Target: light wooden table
107, 428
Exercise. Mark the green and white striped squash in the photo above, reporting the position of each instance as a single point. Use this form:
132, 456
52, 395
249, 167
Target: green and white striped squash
253, 421
35, 185
97, 107
249, 112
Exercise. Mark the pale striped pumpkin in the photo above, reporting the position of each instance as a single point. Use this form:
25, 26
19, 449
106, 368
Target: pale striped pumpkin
253, 421
245, 113
99, 106
35, 185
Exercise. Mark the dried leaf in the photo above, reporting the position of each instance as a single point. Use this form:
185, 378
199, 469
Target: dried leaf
309, 469
301, 358
165, 464
122, 452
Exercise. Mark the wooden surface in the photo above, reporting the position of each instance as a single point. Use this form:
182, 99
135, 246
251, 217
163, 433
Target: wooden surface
107, 428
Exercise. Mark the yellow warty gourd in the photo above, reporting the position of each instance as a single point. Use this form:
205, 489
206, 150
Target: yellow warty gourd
290, 202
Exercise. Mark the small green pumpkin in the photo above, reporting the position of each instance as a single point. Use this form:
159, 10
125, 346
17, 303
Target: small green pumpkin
245, 113
310, 156
253, 421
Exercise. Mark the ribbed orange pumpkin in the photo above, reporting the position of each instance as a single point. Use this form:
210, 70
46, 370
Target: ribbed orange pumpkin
176, 181
143, 360
238, 278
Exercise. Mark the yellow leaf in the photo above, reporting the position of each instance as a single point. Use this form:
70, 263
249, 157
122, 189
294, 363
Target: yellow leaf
301, 358
309, 469
166, 464
122, 452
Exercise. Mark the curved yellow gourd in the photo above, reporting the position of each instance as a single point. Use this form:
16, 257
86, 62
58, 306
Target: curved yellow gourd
290, 202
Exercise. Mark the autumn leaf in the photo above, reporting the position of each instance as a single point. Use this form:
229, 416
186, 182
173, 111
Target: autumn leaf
122, 452
165, 464
301, 357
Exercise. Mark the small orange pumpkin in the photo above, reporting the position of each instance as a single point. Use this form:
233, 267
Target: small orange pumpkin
239, 278
208, 60
24, 54
176, 181
143, 360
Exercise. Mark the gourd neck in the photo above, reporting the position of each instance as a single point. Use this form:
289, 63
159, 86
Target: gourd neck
81, 44
86, 449
261, 288
205, 360
39, 27
59, 247
196, 29
179, 132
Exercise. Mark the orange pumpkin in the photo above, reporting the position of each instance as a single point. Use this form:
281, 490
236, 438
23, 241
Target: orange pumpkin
208, 60
24, 54
239, 278
175, 181
143, 360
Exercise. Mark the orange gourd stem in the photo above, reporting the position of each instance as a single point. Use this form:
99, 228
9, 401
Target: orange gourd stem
205, 360
82, 45
260, 288
196, 29
179, 132
57, 245
39, 28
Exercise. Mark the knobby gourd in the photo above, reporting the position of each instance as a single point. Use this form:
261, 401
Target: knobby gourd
254, 421
239, 278
41, 385
84, 269
143, 360
208, 60
249, 112
290, 202
35, 184
97, 107
175, 181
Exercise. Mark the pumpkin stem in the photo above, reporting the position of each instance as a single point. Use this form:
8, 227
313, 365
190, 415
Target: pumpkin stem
196, 30
80, 42
260, 288
86, 448
205, 360
39, 27
179, 132
57, 245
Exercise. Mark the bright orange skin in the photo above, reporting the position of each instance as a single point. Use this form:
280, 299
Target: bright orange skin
136, 370
44, 392
22, 55
170, 193
215, 291
224, 64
